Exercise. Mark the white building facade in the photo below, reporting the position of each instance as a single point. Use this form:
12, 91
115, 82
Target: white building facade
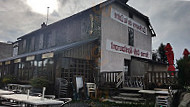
126, 33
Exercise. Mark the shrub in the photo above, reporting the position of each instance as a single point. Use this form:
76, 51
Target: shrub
40, 82
9, 79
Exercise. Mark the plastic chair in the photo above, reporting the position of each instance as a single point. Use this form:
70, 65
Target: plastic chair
91, 88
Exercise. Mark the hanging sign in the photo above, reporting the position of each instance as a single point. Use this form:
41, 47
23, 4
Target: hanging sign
125, 49
17, 60
123, 19
47, 55
30, 58
7, 62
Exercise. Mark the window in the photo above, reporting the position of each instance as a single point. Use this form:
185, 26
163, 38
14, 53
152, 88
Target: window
24, 45
126, 68
130, 15
41, 41
32, 44
131, 36
51, 40
77, 67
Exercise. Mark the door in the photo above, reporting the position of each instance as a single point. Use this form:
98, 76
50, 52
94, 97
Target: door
126, 67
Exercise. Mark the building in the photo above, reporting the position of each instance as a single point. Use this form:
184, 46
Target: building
6, 50
109, 37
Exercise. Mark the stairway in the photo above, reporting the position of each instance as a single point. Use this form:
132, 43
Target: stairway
61, 87
128, 96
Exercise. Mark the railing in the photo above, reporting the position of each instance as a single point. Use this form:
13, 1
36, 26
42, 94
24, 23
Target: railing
134, 81
161, 77
112, 79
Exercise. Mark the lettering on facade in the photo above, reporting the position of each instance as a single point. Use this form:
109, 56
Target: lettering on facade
30, 58
125, 49
7, 62
48, 55
119, 17
17, 60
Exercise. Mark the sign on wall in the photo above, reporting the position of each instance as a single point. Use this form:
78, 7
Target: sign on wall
128, 50
7, 62
17, 60
15, 51
30, 58
48, 55
121, 18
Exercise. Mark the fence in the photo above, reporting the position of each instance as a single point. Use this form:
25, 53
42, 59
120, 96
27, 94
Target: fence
162, 77
112, 79
134, 81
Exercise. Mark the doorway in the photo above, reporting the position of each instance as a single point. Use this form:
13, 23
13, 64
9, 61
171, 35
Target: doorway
126, 68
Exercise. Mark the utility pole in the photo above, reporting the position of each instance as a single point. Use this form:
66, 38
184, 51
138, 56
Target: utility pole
47, 15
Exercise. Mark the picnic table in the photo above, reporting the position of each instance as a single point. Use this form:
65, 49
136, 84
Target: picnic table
5, 92
32, 100
24, 88
12, 86
153, 92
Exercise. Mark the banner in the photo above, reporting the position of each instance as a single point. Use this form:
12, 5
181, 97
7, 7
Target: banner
121, 18
128, 50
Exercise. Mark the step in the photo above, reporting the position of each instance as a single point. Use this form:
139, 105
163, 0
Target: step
131, 88
117, 101
130, 95
122, 102
128, 99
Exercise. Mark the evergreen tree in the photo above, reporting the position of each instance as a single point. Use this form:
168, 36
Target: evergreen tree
183, 65
161, 52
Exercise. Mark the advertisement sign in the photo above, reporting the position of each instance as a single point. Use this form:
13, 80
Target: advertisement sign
47, 55
7, 62
128, 50
17, 60
123, 19
30, 58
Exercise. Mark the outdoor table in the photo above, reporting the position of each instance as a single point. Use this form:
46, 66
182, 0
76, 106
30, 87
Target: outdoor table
12, 86
32, 100
153, 92
150, 95
5, 92
24, 88
162, 92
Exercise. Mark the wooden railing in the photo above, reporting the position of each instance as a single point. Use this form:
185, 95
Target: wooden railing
161, 77
112, 79
134, 81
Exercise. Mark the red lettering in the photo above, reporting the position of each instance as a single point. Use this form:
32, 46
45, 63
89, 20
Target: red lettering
125, 20
124, 49
144, 54
130, 22
121, 18
136, 52
112, 45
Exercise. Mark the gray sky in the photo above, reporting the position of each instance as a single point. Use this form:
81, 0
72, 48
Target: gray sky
169, 18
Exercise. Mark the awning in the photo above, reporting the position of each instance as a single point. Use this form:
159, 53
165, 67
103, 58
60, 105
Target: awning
59, 48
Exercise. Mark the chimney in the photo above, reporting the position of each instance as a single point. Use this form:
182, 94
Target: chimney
124, 1
43, 25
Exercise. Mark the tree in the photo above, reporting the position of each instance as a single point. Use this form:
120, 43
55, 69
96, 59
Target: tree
154, 56
183, 65
161, 52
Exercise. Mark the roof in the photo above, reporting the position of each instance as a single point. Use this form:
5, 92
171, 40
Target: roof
59, 48
149, 61
3, 43
101, 5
